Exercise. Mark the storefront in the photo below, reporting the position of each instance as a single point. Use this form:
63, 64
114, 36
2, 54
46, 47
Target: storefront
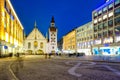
110, 50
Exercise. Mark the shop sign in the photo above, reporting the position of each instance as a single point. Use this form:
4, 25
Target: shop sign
5, 47
106, 45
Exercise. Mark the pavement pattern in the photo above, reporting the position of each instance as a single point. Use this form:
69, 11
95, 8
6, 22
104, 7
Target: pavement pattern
64, 69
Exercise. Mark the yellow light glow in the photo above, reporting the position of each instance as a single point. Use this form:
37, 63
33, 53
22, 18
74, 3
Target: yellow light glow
15, 13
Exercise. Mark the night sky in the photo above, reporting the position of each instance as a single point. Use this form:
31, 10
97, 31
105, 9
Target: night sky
68, 14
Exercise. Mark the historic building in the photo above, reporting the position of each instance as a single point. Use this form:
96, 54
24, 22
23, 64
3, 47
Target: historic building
84, 38
35, 42
11, 30
69, 42
52, 37
106, 24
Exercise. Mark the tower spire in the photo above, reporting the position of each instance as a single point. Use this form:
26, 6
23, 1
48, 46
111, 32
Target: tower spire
35, 25
52, 21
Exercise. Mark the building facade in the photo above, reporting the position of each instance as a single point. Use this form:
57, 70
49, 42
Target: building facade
52, 37
84, 38
69, 42
60, 45
11, 29
106, 24
35, 42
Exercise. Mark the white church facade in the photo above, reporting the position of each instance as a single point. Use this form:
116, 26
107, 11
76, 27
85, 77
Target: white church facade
36, 43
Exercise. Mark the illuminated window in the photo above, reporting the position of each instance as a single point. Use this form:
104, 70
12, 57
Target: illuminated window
110, 14
104, 17
35, 44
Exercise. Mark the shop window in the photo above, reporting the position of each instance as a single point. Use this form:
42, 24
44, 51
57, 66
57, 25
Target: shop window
117, 12
117, 21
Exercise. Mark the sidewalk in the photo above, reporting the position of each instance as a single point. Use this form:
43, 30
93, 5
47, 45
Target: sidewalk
101, 58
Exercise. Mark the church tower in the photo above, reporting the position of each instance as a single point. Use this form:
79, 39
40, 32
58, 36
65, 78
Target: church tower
52, 37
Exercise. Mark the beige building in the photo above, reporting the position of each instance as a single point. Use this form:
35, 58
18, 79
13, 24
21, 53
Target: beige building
69, 42
11, 29
35, 42
84, 38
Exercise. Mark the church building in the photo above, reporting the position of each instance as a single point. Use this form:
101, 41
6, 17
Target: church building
36, 43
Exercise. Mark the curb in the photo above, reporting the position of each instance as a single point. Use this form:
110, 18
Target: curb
11, 71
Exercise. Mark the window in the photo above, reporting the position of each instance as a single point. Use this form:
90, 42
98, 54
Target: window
95, 14
105, 25
53, 47
41, 45
117, 3
29, 45
35, 44
95, 36
110, 7
105, 17
110, 23
117, 21
117, 12
99, 35
95, 29
110, 32
99, 13
100, 26
105, 10
105, 34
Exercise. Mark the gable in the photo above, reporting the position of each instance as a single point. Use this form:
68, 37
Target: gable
36, 32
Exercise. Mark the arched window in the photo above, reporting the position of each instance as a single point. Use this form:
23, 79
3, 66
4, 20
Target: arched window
29, 45
41, 45
35, 44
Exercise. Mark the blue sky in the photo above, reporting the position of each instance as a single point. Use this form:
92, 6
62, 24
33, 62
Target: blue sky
68, 14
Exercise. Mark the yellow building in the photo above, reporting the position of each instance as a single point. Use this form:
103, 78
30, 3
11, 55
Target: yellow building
11, 29
69, 42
